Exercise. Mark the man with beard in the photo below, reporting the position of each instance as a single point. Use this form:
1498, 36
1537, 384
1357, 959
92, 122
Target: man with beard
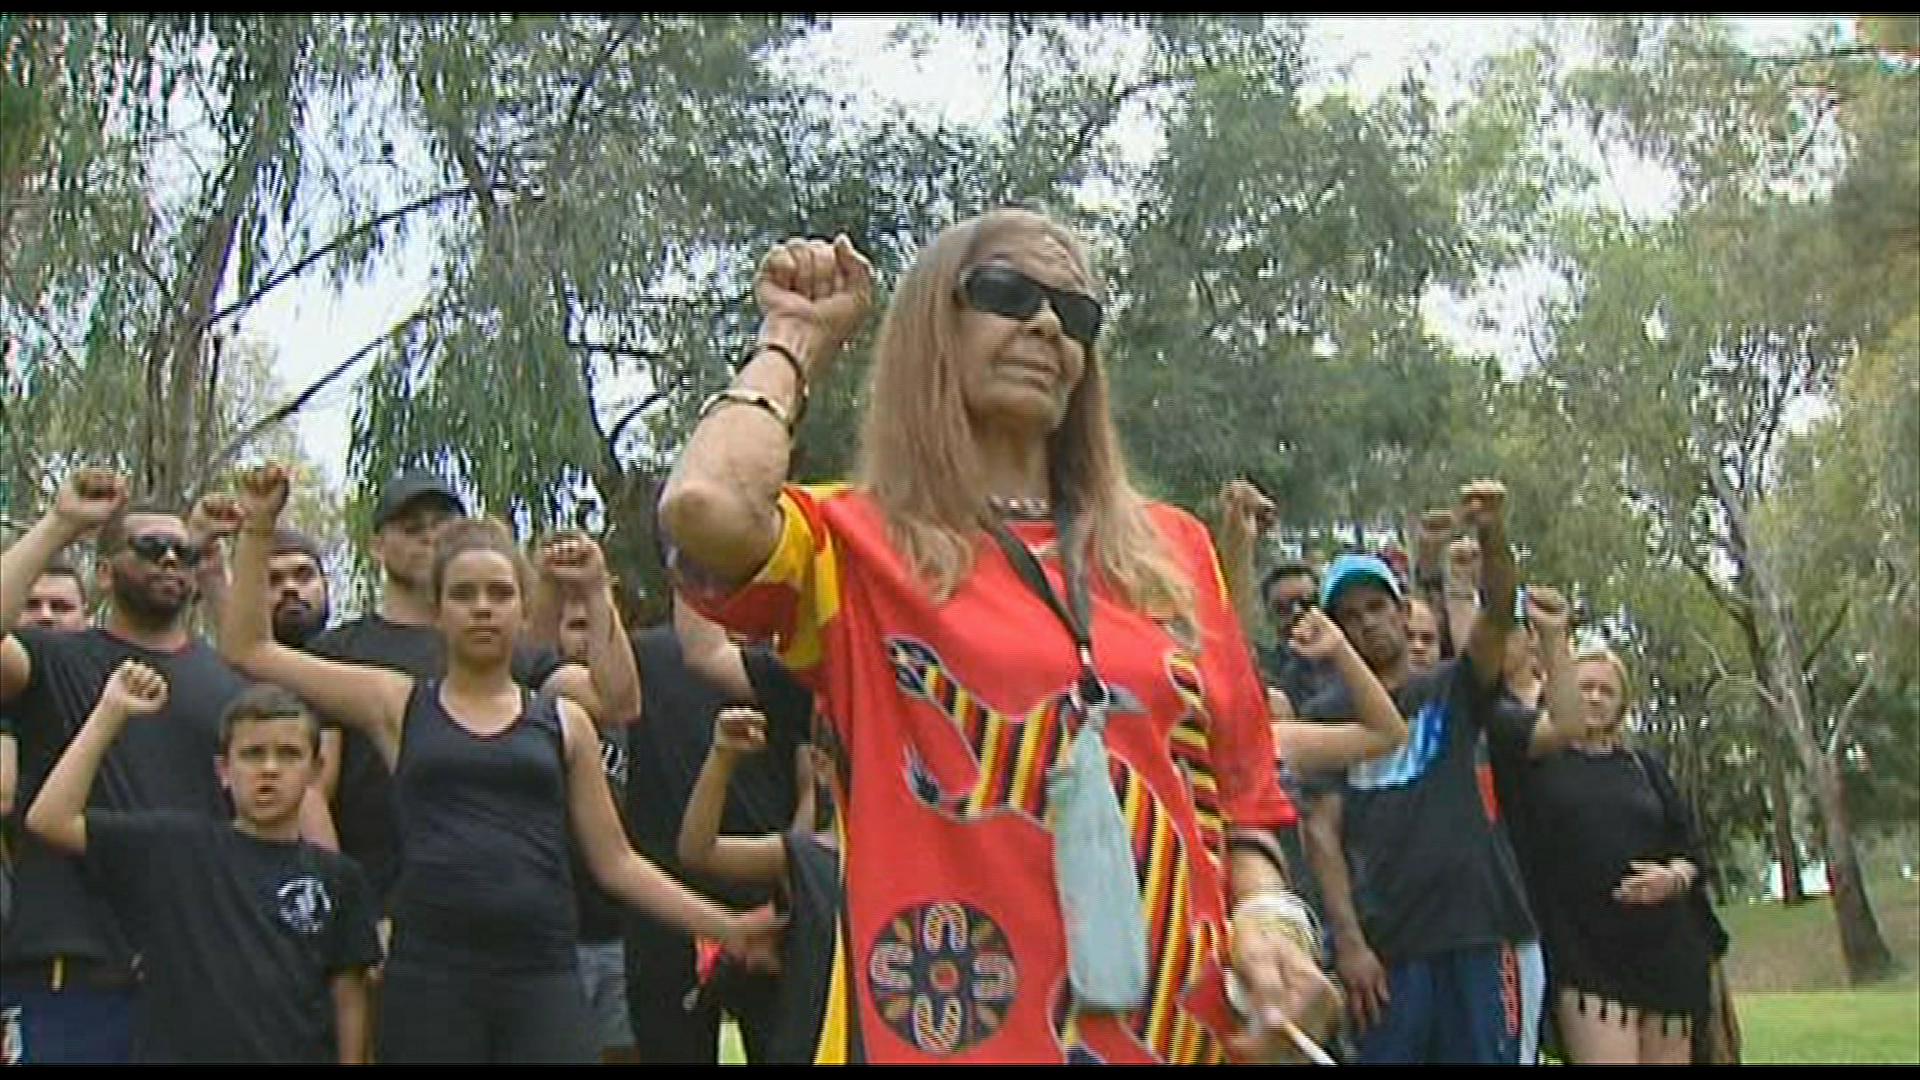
298, 586
67, 981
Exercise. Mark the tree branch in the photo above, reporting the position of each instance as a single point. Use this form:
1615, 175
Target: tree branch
1825, 637
616, 349
307, 261
299, 401
627, 418
1723, 674
616, 35
1838, 736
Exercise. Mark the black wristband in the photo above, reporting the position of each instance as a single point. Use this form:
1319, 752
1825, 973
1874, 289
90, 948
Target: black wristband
799, 374
784, 353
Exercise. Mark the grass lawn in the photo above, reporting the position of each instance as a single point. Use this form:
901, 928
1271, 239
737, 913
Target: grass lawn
1866, 1026
1791, 988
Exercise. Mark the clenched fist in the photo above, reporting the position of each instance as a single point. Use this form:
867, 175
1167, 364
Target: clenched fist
134, 689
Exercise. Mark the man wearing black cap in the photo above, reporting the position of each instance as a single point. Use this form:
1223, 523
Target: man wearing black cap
298, 585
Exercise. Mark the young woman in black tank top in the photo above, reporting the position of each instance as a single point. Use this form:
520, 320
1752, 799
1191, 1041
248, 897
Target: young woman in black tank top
488, 782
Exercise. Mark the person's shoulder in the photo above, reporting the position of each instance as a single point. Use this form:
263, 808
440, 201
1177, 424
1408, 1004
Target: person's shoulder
343, 634
1174, 521
41, 642
330, 863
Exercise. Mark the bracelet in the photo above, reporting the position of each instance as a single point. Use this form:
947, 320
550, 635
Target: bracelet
737, 396
1278, 911
799, 373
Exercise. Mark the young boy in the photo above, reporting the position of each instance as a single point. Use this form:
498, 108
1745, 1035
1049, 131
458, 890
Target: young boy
256, 945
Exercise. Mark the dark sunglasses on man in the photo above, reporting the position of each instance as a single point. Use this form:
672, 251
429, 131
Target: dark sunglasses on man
1004, 291
154, 547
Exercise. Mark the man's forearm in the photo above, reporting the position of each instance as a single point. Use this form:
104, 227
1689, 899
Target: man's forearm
21, 564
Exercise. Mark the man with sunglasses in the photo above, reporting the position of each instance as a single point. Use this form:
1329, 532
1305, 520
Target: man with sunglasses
66, 987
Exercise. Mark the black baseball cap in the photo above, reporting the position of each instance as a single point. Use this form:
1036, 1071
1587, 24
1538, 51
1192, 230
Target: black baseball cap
410, 486
289, 541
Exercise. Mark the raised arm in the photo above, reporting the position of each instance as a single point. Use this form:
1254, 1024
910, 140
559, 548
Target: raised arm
721, 505
1483, 508
752, 860
85, 502
1317, 746
369, 699
1244, 514
59, 814
608, 686
1432, 530
215, 517
1561, 708
628, 876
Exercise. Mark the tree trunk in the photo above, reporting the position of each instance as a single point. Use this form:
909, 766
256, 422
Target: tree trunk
1785, 851
1781, 666
177, 432
1867, 956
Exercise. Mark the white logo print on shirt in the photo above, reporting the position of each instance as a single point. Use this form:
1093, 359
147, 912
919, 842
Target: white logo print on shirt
304, 904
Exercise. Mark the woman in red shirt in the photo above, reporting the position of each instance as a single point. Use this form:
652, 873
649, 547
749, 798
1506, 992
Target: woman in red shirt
964, 683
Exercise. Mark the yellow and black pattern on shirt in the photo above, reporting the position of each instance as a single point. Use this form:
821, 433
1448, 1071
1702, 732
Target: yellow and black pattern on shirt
1179, 947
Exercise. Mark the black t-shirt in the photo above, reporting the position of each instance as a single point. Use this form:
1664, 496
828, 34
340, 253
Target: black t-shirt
160, 762
1430, 871
669, 745
363, 802
239, 936
485, 882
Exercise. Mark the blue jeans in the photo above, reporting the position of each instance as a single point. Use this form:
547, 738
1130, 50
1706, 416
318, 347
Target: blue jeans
74, 1025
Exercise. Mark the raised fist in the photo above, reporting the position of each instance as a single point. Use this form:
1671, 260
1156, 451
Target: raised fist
1432, 530
215, 516
263, 494
1315, 636
1548, 611
826, 287
1483, 505
89, 498
740, 730
575, 561
1244, 508
134, 689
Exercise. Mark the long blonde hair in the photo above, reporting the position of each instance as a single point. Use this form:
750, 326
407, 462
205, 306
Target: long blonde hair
919, 461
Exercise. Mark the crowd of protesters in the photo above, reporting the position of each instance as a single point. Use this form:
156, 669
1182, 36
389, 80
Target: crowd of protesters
971, 759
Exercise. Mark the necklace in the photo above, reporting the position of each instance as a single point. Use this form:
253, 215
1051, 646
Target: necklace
1021, 509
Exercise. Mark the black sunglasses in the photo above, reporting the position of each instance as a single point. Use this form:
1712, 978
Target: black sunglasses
1004, 291
154, 547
